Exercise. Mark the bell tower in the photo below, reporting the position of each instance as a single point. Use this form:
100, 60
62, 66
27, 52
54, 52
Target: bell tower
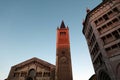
63, 56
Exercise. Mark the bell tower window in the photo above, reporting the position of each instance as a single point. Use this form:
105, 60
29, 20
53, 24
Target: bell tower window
62, 33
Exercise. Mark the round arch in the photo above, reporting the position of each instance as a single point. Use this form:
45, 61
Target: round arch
32, 73
103, 76
29, 78
118, 70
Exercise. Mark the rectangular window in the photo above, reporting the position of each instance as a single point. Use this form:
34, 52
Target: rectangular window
105, 17
96, 22
46, 74
91, 30
114, 46
62, 33
109, 24
23, 74
119, 45
115, 9
108, 49
119, 29
39, 74
103, 39
16, 74
104, 26
100, 19
115, 20
119, 17
109, 35
116, 34
99, 29
110, 13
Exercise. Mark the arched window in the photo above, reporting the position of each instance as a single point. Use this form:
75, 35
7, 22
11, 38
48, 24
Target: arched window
104, 76
32, 73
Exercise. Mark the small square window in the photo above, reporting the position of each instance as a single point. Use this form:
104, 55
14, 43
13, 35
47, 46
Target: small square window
105, 17
100, 19
115, 20
63, 52
16, 74
109, 24
109, 35
108, 49
103, 38
119, 17
109, 13
116, 34
119, 45
114, 46
99, 29
104, 26
115, 9
119, 29
96, 22
39, 74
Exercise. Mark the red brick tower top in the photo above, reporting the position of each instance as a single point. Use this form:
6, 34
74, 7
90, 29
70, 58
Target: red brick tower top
63, 36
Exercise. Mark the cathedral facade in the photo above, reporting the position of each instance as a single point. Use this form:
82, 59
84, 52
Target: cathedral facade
37, 69
32, 69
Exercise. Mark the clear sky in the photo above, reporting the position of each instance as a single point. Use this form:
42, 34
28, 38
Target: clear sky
28, 29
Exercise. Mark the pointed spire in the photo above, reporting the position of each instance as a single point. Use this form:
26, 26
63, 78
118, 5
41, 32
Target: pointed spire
62, 24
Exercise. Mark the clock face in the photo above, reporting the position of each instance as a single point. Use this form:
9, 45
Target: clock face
63, 59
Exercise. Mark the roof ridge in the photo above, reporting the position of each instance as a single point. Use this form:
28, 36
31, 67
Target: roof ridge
34, 59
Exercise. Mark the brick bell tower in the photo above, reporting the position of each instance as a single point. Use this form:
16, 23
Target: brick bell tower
63, 57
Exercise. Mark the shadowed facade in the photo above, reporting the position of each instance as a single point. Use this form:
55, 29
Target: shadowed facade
101, 29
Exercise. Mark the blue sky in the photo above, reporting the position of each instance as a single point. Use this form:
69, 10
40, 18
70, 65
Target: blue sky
28, 29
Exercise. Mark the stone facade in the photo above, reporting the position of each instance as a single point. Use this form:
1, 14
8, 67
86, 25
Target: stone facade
102, 33
33, 69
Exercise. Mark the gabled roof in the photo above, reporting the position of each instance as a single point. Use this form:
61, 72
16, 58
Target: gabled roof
34, 59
